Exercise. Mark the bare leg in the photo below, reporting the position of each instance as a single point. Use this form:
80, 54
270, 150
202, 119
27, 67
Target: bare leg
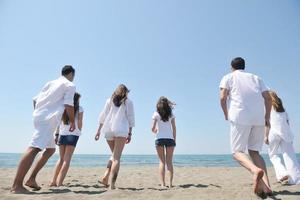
31, 182
162, 160
259, 162
58, 166
105, 178
258, 173
24, 166
169, 161
65, 167
118, 148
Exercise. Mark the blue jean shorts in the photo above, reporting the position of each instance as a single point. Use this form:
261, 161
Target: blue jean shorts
68, 140
165, 142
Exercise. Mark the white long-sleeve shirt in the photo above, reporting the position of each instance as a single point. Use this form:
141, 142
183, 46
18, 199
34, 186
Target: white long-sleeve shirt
117, 119
280, 126
52, 98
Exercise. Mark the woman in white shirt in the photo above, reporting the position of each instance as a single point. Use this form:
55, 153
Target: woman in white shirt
116, 123
163, 126
67, 142
280, 136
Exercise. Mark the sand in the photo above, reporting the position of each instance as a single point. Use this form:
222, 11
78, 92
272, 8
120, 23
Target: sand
141, 182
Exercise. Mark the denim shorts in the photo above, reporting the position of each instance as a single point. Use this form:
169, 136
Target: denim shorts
165, 142
68, 140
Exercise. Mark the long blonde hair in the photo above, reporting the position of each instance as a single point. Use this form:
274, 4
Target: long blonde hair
276, 102
120, 95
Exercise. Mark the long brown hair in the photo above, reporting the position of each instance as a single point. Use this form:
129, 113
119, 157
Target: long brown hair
276, 102
120, 95
65, 117
164, 108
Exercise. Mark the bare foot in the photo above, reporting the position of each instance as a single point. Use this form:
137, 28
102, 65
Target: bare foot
283, 179
52, 184
112, 187
19, 190
256, 180
266, 189
32, 184
104, 182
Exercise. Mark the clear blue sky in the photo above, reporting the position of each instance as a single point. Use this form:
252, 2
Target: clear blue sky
180, 49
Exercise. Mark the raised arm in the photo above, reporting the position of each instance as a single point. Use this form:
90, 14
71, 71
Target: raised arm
223, 101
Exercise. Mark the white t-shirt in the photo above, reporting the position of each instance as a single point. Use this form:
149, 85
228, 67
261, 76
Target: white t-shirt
245, 101
117, 119
280, 126
164, 129
52, 98
64, 128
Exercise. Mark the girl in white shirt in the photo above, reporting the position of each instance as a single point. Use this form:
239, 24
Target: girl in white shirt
163, 126
67, 142
280, 136
116, 123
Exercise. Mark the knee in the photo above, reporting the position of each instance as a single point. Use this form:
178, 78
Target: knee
253, 153
170, 166
49, 152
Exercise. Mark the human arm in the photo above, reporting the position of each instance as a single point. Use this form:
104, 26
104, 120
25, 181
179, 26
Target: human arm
154, 124
70, 113
131, 119
56, 135
80, 120
223, 101
268, 107
68, 99
97, 136
267, 131
174, 128
128, 139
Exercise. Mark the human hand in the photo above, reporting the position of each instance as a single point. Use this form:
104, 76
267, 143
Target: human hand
128, 139
72, 127
266, 140
56, 139
97, 136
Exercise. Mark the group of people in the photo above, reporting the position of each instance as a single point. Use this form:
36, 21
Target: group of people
255, 113
58, 120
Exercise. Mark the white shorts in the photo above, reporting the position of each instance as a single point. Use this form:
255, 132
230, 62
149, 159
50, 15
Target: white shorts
43, 136
245, 137
111, 135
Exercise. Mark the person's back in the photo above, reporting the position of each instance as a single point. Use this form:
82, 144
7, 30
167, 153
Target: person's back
280, 126
50, 101
246, 104
164, 128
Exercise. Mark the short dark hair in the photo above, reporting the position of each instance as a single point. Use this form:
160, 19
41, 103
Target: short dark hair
238, 63
67, 69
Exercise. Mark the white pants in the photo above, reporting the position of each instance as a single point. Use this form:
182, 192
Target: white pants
43, 136
243, 137
291, 165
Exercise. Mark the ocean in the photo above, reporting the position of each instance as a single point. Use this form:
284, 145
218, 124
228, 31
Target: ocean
11, 160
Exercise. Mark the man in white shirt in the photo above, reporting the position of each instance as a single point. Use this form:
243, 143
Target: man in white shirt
246, 104
49, 105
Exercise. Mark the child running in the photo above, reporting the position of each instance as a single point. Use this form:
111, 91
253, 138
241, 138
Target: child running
67, 142
281, 136
165, 129
116, 123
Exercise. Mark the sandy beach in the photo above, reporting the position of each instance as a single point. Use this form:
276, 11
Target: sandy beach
141, 182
